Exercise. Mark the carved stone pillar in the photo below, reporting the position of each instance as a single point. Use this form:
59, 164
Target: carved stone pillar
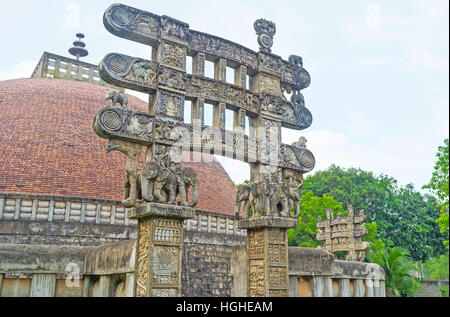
159, 249
220, 70
239, 121
240, 76
219, 115
267, 249
198, 64
198, 107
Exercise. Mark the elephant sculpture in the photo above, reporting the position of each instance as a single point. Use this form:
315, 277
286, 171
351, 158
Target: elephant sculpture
278, 200
188, 178
268, 199
243, 201
116, 97
132, 151
158, 184
144, 71
258, 198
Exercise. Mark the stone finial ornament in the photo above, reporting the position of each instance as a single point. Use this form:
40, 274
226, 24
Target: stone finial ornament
265, 31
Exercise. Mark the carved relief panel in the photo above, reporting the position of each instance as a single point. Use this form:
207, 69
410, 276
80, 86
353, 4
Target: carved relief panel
257, 280
143, 258
256, 243
171, 78
172, 55
170, 104
164, 265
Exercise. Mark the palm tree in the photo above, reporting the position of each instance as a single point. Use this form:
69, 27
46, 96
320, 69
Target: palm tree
398, 268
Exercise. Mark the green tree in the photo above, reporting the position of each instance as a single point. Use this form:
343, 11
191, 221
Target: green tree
398, 268
404, 217
311, 208
440, 187
415, 228
376, 244
437, 268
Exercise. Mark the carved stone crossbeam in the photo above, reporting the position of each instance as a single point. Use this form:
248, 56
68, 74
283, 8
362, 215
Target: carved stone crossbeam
119, 123
146, 76
173, 40
343, 234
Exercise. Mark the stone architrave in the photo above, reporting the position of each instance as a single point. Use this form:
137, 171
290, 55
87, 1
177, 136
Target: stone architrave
151, 193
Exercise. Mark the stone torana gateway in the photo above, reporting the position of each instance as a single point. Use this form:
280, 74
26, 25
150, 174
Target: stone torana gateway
182, 228
151, 193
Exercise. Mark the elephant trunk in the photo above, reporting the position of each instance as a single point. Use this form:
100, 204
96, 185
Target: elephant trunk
195, 195
297, 209
236, 209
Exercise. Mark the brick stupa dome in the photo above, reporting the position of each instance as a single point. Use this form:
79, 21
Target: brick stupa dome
48, 145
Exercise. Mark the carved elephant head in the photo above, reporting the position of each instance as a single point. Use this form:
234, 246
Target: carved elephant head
110, 95
148, 176
259, 198
189, 177
278, 200
242, 197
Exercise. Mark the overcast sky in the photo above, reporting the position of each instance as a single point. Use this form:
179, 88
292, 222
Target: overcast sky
379, 91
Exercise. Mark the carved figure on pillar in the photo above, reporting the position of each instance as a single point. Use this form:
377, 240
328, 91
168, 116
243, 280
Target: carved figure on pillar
132, 151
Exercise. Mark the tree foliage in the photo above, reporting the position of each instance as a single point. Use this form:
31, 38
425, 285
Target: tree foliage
311, 208
399, 271
403, 216
437, 268
376, 244
440, 187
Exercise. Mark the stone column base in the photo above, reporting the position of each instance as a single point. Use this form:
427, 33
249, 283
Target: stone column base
267, 248
159, 248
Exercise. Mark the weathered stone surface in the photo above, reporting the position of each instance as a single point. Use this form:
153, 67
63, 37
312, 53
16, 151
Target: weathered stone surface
308, 261
160, 210
429, 288
206, 270
361, 270
267, 221
62, 233
114, 258
18, 258
43, 285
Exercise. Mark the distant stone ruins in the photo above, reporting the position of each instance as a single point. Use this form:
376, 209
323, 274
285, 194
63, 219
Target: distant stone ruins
344, 234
